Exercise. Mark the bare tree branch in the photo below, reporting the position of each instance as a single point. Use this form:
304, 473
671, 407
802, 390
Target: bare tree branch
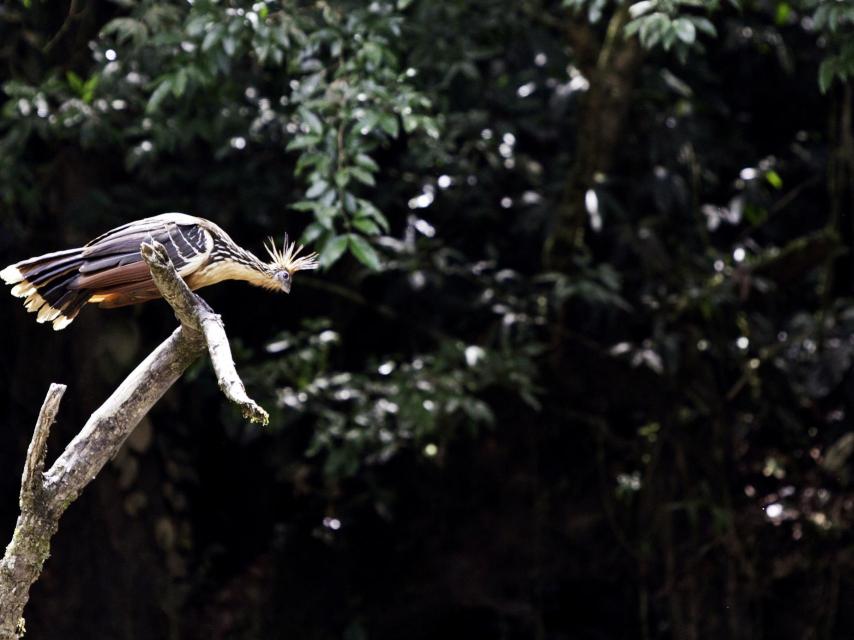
173, 289
223, 364
108, 427
45, 496
32, 483
194, 313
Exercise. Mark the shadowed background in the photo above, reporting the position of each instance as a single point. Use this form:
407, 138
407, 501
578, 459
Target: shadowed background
579, 361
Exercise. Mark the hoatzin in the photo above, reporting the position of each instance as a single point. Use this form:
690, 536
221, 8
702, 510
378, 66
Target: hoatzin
110, 270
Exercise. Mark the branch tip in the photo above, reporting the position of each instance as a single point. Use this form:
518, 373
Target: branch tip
255, 413
32, 482
154, 253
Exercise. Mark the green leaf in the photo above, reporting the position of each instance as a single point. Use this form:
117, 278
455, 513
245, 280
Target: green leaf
368, 210
640, 8
668, 38
632, 28
306, 160
685, 30
373, 53
196, 26
367, 123
782, 14
314, 123
332, 250
821, 15
774, 179
362, 176
325, 216
312, 232
317, 189
180, 84
367, 162
262, 51
212, 38
704, 25
594, 11
280, 35
364, 252
342, 177
126, 29
88, 90
367, 226
303, 142
304, 205
388, 123
826, 74
75, 82
652, 28
159, 95
329, 198
349, 202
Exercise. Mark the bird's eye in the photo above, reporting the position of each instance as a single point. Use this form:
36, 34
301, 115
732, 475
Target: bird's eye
286, 275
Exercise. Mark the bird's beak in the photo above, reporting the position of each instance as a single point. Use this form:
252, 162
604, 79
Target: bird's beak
286, 286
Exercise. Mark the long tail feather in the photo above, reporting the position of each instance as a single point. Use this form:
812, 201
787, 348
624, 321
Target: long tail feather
45, 284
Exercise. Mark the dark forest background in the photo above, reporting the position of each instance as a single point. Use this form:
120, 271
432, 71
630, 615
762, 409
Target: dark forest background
579, 362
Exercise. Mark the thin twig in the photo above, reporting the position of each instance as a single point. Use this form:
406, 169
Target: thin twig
73, 14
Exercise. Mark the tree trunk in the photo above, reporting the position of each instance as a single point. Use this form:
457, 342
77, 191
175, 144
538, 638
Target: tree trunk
611, 73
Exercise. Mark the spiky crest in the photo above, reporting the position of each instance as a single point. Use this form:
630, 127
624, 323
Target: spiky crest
289, 258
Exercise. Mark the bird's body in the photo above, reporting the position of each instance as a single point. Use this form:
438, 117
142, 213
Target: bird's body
110, 270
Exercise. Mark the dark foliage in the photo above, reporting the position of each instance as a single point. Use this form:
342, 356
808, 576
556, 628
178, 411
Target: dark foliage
578, 364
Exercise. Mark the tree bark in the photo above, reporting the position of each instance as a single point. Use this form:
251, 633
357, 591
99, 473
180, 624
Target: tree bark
611, 72
45, 496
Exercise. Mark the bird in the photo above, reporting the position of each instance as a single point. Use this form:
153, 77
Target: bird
111, 272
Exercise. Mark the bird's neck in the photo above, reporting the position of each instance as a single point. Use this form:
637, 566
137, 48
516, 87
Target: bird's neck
229, 261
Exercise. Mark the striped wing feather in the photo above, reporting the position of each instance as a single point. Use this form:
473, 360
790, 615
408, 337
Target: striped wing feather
154, 223
110, 270
114, 270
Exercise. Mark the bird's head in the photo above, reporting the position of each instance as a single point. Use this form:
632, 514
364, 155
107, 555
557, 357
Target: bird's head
286, 262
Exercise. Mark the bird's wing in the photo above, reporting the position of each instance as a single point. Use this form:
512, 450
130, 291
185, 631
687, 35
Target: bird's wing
112, 260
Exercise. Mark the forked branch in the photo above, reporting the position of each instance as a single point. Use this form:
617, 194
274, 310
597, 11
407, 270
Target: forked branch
46, 495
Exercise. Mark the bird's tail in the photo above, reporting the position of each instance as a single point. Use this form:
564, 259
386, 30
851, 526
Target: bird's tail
44, 283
